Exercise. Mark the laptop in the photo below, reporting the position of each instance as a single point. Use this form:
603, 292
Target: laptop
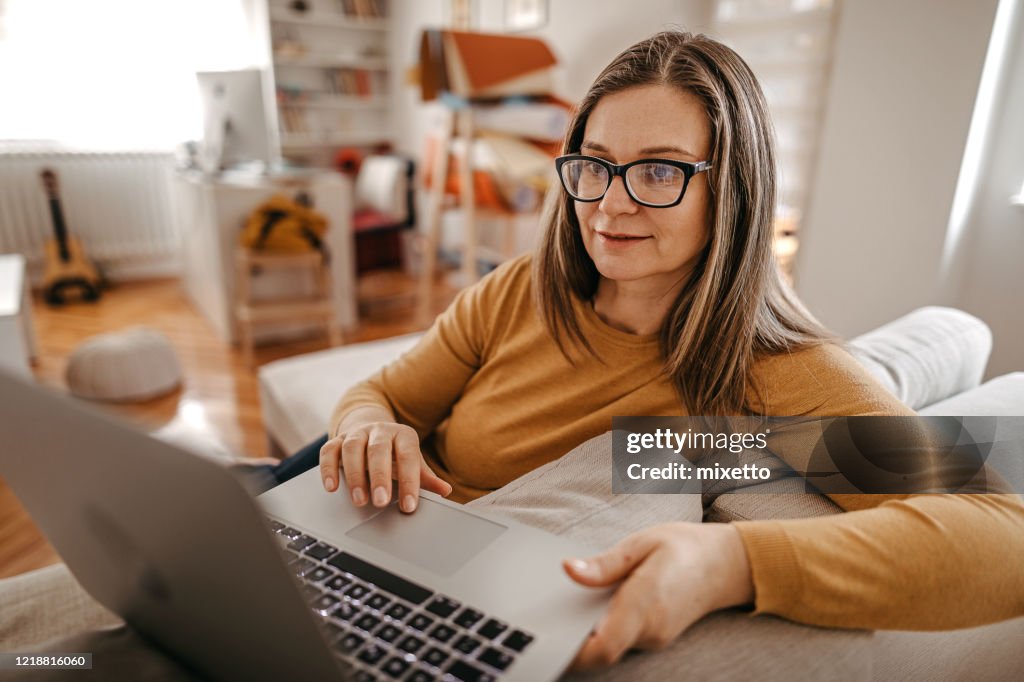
297, 583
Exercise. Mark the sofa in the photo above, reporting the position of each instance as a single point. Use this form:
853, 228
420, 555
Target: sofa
932, 359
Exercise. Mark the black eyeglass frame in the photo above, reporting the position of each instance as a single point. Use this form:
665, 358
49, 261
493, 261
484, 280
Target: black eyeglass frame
689, 170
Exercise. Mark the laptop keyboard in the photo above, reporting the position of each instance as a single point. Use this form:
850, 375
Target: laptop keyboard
389, 628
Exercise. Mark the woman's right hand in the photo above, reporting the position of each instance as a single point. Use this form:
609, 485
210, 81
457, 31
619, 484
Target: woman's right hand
373, 453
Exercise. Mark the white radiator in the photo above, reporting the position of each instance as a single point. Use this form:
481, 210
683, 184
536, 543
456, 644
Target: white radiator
118, 205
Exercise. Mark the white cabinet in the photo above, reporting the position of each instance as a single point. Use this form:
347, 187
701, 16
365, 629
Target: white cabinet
17, 335
211, 212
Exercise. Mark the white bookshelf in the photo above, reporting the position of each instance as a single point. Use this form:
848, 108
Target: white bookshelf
348, 102
329, 61
328, 76
284, 15
329, 139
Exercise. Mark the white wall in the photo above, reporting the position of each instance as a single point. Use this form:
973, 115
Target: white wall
992, 250
898, 110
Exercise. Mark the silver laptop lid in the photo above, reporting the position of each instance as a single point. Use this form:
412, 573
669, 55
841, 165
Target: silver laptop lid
167, 540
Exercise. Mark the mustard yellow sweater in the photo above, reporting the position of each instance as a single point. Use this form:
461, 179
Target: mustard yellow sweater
492, 397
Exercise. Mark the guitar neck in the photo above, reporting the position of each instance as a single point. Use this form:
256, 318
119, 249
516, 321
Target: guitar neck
60, 229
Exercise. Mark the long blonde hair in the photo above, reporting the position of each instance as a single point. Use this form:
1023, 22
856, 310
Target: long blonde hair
736, 306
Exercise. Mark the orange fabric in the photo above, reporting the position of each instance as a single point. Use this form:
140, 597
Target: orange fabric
491, 59
484, 187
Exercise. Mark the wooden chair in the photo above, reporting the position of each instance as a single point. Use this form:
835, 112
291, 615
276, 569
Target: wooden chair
250, 313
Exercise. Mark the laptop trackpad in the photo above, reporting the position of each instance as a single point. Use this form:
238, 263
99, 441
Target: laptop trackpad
436, 537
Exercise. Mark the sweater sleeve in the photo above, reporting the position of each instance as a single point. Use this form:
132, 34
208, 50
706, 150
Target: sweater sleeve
908, 562
420, 387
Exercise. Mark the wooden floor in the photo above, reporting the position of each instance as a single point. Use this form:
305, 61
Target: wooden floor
219, 395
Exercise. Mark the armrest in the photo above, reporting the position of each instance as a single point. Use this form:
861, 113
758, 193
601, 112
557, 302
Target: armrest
927, 355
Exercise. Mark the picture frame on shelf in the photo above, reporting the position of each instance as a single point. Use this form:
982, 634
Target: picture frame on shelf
525, 15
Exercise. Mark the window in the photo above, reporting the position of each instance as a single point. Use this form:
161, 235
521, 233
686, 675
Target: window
113, 74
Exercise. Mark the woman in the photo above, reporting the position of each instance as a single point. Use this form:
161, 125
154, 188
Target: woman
655, 292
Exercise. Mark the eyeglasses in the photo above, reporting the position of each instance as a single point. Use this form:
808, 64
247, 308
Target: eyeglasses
656, 183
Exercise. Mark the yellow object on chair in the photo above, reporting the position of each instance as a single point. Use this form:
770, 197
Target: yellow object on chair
284, 225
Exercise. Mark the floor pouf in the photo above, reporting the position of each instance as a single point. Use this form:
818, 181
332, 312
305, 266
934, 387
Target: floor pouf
133, 364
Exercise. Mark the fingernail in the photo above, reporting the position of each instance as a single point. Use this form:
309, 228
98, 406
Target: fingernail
328, 484
579, 565
408, 504
358, 497
380, 496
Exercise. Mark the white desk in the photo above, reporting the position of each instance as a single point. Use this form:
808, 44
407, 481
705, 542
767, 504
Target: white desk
17, 335
211, 212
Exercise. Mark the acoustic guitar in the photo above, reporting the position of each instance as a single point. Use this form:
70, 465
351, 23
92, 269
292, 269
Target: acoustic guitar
67, 268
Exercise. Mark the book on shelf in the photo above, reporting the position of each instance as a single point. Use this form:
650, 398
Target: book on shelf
356, 82
365, 9
293, 121
289, 102
362, 82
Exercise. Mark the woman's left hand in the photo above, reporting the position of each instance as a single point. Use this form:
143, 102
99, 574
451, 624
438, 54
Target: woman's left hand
672, 575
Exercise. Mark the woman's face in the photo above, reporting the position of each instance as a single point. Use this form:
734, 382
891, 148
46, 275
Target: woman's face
654, 247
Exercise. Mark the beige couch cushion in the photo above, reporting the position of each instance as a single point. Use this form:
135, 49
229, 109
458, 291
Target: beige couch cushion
729, 646
52, 593
572, 496
298, 394
992, 652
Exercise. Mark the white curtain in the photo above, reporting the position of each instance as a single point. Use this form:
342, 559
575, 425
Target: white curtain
113, 74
